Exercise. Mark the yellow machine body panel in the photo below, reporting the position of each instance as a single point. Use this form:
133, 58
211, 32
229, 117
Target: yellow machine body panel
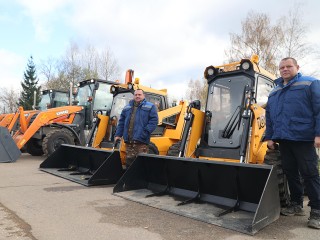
171, 133
195, 133
101, 130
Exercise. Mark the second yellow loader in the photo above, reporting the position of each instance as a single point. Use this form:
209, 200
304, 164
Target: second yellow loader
85, 165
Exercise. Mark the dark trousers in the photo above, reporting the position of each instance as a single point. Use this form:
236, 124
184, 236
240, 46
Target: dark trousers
300, 159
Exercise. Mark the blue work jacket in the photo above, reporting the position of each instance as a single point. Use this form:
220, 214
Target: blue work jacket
293, 110
145, 122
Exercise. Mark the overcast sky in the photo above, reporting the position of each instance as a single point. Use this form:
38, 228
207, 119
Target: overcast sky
166, 42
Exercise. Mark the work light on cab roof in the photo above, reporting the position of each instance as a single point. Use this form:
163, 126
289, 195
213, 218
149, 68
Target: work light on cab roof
244, 64
130, 86
113, 89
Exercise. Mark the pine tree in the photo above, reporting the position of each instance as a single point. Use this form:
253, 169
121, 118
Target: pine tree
29, 86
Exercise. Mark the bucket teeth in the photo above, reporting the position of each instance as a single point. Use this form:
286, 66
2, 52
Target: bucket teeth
238, 196
84, 165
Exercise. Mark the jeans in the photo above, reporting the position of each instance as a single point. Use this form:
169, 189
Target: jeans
300, 159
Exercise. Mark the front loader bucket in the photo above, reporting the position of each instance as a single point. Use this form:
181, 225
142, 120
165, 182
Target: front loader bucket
238, 196
9, 152
84, 165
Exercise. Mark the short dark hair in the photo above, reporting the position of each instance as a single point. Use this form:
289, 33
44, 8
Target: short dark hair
290, 58
139, 89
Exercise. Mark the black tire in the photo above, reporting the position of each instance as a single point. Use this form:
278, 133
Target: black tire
53, 140
153, 149
33, 147
174, 149
273, 157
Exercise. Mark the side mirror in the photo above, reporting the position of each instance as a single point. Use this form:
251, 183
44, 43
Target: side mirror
96, 86
75, 102
75, 91
208, 114
196, 104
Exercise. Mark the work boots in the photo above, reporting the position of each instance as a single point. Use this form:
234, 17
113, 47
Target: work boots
293, 209
314, 219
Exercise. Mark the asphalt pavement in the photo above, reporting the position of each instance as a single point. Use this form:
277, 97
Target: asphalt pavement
35, 205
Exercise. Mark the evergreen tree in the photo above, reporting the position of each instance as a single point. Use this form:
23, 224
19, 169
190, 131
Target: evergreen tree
29, 86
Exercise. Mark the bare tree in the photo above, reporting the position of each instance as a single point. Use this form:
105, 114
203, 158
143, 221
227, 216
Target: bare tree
294, 41
8, 100
54, 73
197, 90
294, 34
72, 63
108, 67
258, 37
79, 64
47, 68
272, 42
88, 62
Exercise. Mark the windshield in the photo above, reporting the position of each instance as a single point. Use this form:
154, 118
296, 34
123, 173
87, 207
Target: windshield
83, 94
45, 101
60, 99
119, 102
224, 107
103, 97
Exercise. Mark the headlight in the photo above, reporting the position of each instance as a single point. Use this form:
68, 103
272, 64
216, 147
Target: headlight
245, 64
113, 89
210, 71
130, 86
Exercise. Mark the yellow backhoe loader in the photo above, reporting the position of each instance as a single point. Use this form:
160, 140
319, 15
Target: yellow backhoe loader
217, 172
98, 163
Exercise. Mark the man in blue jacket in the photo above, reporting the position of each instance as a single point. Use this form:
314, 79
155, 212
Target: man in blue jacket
293, 121
137, 121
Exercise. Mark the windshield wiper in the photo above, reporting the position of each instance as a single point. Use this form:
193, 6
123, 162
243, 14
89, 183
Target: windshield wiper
232, 123
236, 117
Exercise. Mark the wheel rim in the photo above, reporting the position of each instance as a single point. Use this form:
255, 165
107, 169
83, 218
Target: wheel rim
58, 143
